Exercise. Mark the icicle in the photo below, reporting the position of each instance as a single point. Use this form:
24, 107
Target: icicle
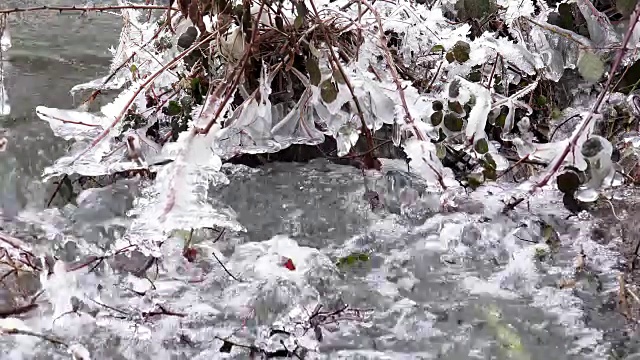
5, 44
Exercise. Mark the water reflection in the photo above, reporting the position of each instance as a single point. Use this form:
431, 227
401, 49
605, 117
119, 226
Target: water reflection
46, 55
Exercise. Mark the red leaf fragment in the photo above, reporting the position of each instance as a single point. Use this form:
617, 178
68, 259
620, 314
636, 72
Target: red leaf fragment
190, 254
289, 264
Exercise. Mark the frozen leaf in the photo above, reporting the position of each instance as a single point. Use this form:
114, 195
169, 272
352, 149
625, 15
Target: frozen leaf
5, 37
249, 129
456, 107
481, 146
597, 152
601, 32
72, 124
173, 108
314, 71
478, 116
568, 182
188, 37
453, 123
591, 67
346, 138
297, 127
5, 107
436, 118
633, 101
79, 352
461, 51
352, 259
328, 91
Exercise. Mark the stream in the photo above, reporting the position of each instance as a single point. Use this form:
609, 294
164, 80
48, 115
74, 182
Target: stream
466, 283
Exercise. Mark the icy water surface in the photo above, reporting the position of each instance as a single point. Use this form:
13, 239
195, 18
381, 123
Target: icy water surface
466, 283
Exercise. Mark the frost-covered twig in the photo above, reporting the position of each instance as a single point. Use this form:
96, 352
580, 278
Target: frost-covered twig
84, 8
139, 89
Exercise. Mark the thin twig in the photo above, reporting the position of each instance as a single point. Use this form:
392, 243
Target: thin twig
224, 267
84, 8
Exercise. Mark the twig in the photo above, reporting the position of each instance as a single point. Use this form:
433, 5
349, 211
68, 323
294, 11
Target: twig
58, 187
632, 293
557, 162
162, 311
143, 86
336, 65
84, 8
224, 267
17, 310
14, 331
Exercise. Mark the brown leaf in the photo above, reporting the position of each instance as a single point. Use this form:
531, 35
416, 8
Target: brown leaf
183, 5
196, 17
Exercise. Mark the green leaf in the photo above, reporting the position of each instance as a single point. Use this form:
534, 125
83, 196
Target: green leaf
456, 107
590, 67
173, 108
475, 180
461, 51
437, 105
301, 8
625, 7
475, 76
541, 100
352, 259
481, 146
436, 118
454, 89
453, 122
566, 19
501, 120
450, 57
328, 91
314, 70
133, 68
489, 163
441, 150
437, 49
298, 22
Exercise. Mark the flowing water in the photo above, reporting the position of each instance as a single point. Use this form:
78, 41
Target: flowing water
468, 283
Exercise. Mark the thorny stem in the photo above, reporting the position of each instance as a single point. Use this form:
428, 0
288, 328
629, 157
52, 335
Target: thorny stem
51, 339
587, 121
235, 76
396, 79
336, 64
141, 87
84, 8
